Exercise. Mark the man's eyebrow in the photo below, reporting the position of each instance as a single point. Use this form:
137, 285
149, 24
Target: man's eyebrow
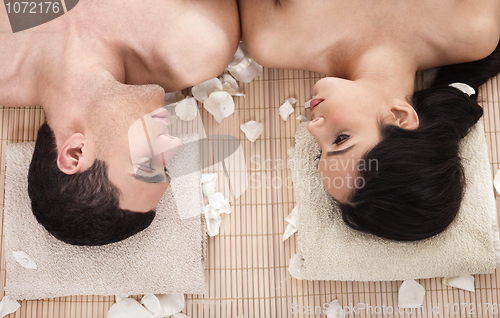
339, 152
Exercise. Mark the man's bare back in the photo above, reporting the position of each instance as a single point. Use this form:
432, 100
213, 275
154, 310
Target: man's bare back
172, 43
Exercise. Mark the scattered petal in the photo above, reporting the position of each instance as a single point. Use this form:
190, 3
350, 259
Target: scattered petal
238, 56
151, 302
220, 105
285, 110
252, 129
301, 117
216, 200
293, 216
171, 304
208, 183
244, 68
225, 207
465, 282
181, 315
128, 308
292, 226
496, 181
207, 177
8, 306
120, 297
335, 310
202, 91
173, 97
294, 267
186, 109
410, 294
24, 260
464, 88
208, 188
308, 103
289, 231
291, 100
213, 220
230, 85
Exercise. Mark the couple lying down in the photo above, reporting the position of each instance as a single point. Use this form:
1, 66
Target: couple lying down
98, 77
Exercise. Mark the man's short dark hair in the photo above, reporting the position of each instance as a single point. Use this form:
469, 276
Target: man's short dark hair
79, 209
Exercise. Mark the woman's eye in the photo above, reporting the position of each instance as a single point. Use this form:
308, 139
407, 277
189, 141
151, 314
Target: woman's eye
341, 138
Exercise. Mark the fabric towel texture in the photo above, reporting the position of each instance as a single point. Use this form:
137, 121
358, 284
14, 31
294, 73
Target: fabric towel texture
167, 257
330, 250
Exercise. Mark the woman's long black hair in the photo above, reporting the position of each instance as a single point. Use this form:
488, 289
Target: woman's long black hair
417, 189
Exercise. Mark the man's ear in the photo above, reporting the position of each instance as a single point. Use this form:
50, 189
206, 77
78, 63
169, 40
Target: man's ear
405, 115
72, 156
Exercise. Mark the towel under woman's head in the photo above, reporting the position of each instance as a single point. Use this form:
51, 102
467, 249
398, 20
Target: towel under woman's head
330, 250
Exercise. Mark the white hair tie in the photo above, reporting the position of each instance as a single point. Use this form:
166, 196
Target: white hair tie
464, 88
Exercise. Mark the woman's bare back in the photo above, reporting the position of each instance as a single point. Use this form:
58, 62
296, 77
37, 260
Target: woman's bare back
326, 35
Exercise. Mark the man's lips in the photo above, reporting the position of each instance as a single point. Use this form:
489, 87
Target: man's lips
315, 102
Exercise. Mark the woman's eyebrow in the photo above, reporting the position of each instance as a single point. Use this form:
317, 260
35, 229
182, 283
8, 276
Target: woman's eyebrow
339, 152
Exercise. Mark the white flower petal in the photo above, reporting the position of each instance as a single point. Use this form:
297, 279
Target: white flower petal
171, 304
335, 310
8, 306
289, 231
24, 260
209, 188
410, 294
213, 220
216, 200
225, 208
119, 297
286, 109
230, 85
208, 183
181, 315
464, 88
151, 302
291, 100
301, 117
308, 103
207, 177
463, 282
238, 56
243, 67
252, 129
186, 109
220, 105
202, 91
496, 181
173, 97
294, 267
128, 308
293, 216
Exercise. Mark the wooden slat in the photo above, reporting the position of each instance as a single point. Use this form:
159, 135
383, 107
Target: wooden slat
246, 266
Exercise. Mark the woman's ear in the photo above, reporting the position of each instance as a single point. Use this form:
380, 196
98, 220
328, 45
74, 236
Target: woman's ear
405, 115
73, 157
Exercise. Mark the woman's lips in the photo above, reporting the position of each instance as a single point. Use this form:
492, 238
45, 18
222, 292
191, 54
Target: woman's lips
315, 102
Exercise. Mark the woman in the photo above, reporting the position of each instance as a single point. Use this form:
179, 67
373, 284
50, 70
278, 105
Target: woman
366, 111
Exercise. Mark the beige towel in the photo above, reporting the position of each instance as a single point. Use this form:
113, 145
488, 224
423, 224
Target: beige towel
167, 257
329, 250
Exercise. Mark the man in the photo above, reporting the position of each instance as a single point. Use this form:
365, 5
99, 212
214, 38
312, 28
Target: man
95, 71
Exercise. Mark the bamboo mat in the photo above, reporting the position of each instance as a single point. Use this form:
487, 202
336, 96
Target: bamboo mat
246, 267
